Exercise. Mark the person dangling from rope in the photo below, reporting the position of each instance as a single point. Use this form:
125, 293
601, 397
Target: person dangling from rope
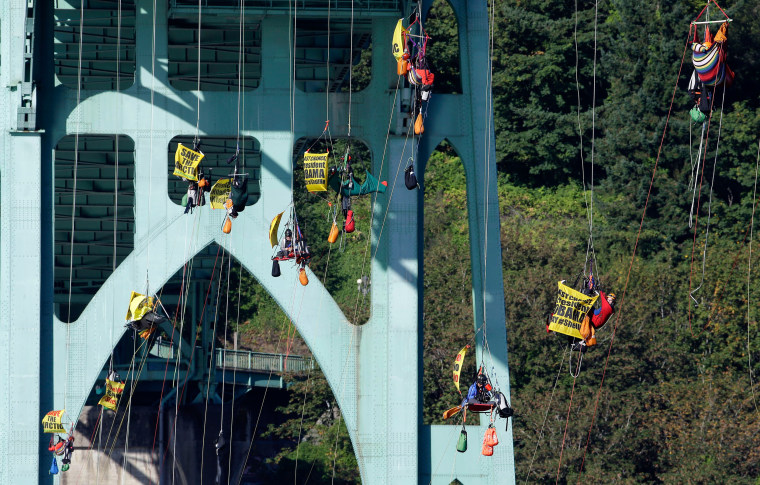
68, 449
594, 318
142, 315
286, 245
238, 195
196, 192
710, 70
342, 180
480, 391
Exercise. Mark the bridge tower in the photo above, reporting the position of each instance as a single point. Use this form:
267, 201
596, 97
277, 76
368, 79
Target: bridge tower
57, 112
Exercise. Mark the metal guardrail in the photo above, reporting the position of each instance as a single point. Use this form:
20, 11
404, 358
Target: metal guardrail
245, 360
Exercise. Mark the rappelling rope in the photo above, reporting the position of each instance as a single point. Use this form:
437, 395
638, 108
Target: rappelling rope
567, 419
266, 389
212, 355
187, 270
709, 204
74, 200
749, 274
546, 415
635, 246
699, 195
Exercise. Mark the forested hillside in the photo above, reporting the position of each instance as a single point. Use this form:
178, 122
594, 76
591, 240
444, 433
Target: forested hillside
670, 394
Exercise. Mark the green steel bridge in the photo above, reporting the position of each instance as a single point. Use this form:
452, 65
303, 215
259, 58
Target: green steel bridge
96, 94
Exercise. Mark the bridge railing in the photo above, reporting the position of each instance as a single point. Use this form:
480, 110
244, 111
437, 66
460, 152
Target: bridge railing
245, 360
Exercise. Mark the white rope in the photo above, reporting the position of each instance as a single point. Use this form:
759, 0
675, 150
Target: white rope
327, 65
694, 174
212, 356
198, 94
749, 274
74, 199
546, 415
709, 203
350, 68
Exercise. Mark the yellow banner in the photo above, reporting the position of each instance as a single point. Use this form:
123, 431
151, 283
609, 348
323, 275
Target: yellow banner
458, 362
186, 162
220, 192
113, 393
315, 171
398, 48
571, 307
139, 305
51, 423
273, 226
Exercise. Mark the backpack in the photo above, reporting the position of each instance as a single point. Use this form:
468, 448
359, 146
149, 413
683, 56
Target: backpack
410, 179
502, 407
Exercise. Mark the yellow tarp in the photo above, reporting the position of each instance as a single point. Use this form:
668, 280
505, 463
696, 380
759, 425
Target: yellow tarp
458, 362
398, 40
139, 305
315, 171
186, 162
571, 307
51, 423
220, 192
113, 393
273, 229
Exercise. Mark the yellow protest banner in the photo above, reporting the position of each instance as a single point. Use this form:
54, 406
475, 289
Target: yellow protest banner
273, 226
51, 423
113, 393
398, 48
458, 366
220, 192
186, 162
139, 305
315, 171
569, 311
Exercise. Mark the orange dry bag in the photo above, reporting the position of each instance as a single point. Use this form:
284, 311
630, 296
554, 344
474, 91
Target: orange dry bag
302, 277
490, 438
334, 231
227, 226
419, 128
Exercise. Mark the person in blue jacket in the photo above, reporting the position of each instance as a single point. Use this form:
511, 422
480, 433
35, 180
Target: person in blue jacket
480, 391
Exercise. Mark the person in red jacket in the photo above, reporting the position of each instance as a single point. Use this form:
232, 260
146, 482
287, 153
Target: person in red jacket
603, 313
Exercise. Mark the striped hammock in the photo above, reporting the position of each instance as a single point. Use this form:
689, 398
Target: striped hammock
709, 63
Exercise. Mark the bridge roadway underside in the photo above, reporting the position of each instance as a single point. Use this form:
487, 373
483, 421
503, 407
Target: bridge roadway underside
375, 371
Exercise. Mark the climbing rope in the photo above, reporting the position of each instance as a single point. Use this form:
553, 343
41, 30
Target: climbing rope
699, 195
709, 204
546, 415
749, 274
635, 246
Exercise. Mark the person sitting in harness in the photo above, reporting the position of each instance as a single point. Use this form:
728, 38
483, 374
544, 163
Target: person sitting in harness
286, 245
479, 392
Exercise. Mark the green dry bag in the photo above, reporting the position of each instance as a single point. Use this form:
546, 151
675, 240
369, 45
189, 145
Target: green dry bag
697, 115
462, 442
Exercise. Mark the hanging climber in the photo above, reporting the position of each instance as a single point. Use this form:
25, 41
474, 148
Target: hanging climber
604, 312
141, 315
479, 392
286, 245
68, 449
195, 196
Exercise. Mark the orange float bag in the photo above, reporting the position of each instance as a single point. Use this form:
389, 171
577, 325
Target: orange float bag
333, 236
302, 277
490, 437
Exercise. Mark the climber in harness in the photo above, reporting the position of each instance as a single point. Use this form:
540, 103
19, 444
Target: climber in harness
142, 315
342, 180
196, 190
710, 70
479, 392
286, 245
